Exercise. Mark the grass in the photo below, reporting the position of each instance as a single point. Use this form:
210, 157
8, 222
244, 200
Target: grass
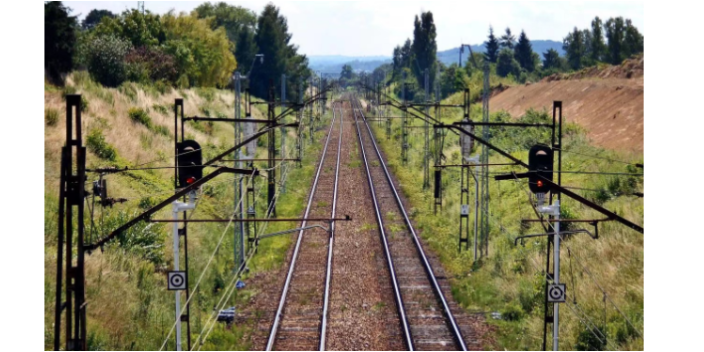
509, 280
139, 115
130, 308
95, 141
51, 117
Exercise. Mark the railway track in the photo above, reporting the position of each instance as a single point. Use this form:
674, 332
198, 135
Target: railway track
300, 322
426, 318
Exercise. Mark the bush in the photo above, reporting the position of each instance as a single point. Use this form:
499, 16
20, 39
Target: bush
105, 59
512, 312
96, 143
591, 340
506, 64
149, 64
160, 109
140, 116
51, 117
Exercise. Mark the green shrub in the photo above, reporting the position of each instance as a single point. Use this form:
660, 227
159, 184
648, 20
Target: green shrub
159, 129
96, 143
84, 104
160, 109
140, 116
512, 312
51, 117
105, 59
592, 339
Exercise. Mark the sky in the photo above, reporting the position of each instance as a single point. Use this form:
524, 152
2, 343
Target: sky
370, 28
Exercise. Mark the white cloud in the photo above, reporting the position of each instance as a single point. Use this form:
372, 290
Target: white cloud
374, 27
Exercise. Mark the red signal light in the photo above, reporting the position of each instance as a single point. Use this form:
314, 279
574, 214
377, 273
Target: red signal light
190, 180
540, 184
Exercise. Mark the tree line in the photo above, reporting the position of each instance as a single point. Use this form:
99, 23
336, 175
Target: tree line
508, 56
198, 49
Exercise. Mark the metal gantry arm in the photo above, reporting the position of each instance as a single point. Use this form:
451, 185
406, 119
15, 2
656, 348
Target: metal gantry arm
184, 191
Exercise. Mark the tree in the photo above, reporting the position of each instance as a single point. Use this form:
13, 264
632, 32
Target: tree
396, 62
624, 40
492, 47
506, 64
551, 59
240, 25
59, 40
203, 56
615, 28
141, 29
424, 48
598, 47
574, 48
507, 40
347, 72
94, 17
633, 41
234, 19
280, 55
523, 52
245, 49
406, 54
451, 80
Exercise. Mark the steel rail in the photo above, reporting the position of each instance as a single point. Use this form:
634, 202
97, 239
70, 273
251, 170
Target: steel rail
392, 271
328, 274
428, 269
289, 276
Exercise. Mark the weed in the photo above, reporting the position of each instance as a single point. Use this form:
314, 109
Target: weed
140, 116
160, 109
51, 117
96, 143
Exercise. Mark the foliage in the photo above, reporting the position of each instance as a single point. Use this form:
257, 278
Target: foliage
150, 64
524, 53
59, 40
424, 48
492, 47
234, 19
451, 80
203, 56
624, 39
137, 28
597, 51
246, 49
105, 59
551, 60
145, 240
575, 48
347, 73
51, 117
94, 17
507, 41
96, 143
506, 64
591, 339
280, 55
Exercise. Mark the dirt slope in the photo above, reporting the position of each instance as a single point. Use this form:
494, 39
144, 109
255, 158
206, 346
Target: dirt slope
603, 100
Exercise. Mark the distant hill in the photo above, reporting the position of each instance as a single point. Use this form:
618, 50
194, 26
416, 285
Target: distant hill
332, 64
358, 64
449, 56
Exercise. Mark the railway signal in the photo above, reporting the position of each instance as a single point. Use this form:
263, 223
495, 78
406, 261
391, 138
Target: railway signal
540, 161
190, 163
